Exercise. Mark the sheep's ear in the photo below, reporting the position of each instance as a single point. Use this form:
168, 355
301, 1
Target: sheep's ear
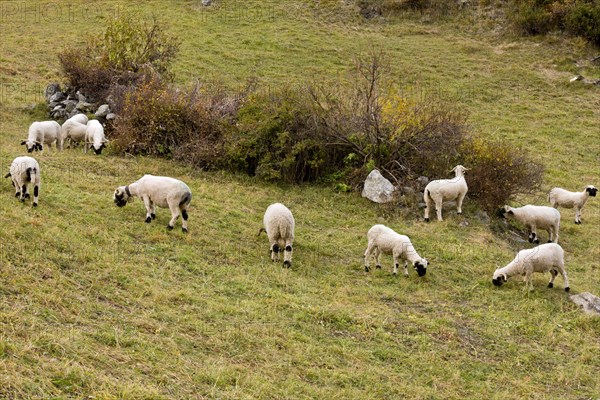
24, 142
511, 212
504, 278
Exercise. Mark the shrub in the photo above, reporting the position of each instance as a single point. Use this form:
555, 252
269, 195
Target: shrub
128, 49
155, 118
583, 19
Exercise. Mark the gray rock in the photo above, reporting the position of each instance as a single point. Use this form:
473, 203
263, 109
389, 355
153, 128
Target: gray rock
463, 224
377, 188
53, 104
111, 116
51, 89
57, 97
449, 204
576, 78
102, 111
206, 3
589, 302
70, 105
81, 98
423, 181
407, 190
422, 205
482, 216
84, 106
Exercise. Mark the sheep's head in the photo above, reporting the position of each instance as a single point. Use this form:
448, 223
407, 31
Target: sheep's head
459, 170
591, 190
122, 196
31, 146
98, 150
499, 278
421, 266
505, 211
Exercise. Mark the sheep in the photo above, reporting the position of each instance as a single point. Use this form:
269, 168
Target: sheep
94, 137
40, 133
159, 191
442, 190
563, 198
23, 171
74, 129
382, 239
279, 225
545, 257
534, 217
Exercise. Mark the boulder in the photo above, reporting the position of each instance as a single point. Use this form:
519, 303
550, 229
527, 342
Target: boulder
57, 97
84, 106
423, 181
377, 188
589, 302
102, 111
51, 89
111, 116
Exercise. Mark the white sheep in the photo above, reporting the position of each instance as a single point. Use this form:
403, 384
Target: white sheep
563, 198
94, 137
159, 191
534, 217
74, 129
24, 171
545, 257
40, 133
279, 225
442, 190
382, 239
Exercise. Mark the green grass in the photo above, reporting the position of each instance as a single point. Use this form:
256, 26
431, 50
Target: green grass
94, 302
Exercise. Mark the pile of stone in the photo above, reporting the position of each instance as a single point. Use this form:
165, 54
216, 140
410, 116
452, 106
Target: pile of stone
64, 104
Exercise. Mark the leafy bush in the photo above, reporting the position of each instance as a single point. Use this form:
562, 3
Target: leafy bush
577, 17
128, 49
158, 119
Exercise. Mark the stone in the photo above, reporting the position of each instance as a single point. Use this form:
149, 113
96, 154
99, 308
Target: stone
590, 303
70, 105
377, 188
423, 181
57, 97
206, 3
102, 111
482, 216
111, 116
51, 89
81, 98
84, 106
463, 224
407, 190
576, 78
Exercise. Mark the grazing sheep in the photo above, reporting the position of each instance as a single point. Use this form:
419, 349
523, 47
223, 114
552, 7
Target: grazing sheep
279, 225
442, 190
159, 191
534, 217
545, 257
382, 239
94, 137
563, 198
40, 133
74, 129
23, 171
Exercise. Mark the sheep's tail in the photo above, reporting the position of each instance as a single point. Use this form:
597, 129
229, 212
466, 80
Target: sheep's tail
186, 199
31, 174
261, 230
427, 195
7, 175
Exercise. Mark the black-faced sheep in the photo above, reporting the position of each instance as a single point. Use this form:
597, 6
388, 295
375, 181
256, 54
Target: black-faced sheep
438, 191
23, 172
563, 198
382, 239
74, 129
534, 217
545, 257
41, 133
279, 225
159, 191
94, 137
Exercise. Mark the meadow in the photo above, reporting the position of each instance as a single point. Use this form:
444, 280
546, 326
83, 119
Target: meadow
94, 303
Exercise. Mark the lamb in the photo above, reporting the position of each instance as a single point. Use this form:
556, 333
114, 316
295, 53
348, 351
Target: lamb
74, 129
563, 198
159, 191
40, 133
534, 217
442, 190
94, 137
382, 239
545, 257
279, 225
23, 171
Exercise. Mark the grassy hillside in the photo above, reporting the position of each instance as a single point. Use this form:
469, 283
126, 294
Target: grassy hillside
94, 303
